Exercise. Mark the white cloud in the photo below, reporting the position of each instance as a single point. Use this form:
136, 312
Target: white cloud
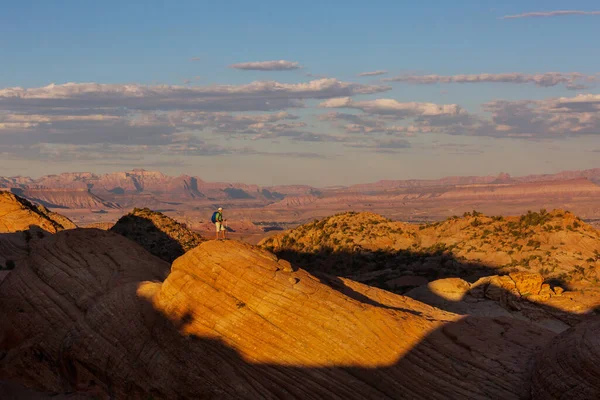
373, 73
545, 14
281, 65
394, 107
255, 96
573, 80
550, 118
525, 119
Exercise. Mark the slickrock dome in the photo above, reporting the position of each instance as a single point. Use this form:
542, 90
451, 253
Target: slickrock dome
568, 368
65, 278
87, 314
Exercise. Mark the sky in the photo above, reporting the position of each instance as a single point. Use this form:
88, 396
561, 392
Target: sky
314, 92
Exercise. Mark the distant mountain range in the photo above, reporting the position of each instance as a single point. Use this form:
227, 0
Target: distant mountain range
141, 188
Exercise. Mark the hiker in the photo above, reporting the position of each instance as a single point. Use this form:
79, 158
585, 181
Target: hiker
217, 219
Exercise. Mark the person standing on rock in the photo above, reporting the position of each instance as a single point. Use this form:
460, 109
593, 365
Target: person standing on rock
217, 219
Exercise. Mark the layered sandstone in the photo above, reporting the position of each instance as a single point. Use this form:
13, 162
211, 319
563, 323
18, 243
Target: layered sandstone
21, 224
522, 295
64, 279
233, 321
376, 250
68, 198
568, 367
18, 214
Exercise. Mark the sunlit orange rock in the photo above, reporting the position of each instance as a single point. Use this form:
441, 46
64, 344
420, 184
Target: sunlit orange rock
17, 214
89, 314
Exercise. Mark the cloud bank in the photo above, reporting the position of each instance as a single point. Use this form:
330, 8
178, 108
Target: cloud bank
394, 107
552, 118
373, 73
546, 14
572, 80
280, 65
161, 117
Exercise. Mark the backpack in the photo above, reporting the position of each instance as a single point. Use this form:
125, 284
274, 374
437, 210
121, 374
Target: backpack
213, 219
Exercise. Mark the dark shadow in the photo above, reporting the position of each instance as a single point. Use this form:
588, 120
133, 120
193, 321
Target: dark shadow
16, 246
380, 268
273, 228
388, 271
147, 355
145, 232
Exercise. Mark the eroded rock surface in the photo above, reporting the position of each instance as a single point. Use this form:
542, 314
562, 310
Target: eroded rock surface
18, 214
89, 314
21, 224
66, 276
522, 295
568, 367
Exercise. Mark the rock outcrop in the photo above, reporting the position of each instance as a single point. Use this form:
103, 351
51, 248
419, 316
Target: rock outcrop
67, 198
61, 220
160, 235
568, 367
21, 224
66, 278
233, 321
375, 250
18, 214
520, 295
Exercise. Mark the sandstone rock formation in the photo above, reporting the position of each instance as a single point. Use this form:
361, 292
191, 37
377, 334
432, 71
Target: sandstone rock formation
408, 200
233, 321
18, 214
65, 278
521, 295
375, 250
568, 367
160, 235
67, 198
63, 221
21, 224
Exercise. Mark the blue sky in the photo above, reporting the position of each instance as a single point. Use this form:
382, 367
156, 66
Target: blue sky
477, 128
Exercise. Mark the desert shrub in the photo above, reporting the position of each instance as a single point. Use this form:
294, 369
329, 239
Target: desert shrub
534, 219
476, 222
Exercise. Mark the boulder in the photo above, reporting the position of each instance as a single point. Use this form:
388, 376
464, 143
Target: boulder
453, 289
527, 283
